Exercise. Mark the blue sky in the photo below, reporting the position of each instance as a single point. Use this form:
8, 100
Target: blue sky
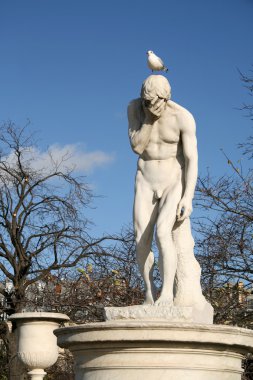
72, 67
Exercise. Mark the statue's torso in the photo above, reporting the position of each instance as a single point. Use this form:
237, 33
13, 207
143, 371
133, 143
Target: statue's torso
162, 159
164, 138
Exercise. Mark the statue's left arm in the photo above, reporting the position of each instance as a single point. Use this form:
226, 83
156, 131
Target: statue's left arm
189, 142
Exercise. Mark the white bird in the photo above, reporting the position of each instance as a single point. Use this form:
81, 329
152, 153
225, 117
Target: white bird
155, 63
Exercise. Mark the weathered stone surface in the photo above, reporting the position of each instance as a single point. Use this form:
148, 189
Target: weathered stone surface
156, 350
36, 343
154, 312
171, 313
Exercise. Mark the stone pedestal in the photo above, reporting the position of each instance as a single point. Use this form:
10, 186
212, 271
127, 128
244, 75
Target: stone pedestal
202, 313
152, 350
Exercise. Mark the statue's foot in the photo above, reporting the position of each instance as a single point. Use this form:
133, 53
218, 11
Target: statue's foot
149, 300
164, 301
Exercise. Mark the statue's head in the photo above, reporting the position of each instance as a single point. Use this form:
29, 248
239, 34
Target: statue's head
154, 88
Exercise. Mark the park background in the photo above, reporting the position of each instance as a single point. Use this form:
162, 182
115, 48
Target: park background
71, 68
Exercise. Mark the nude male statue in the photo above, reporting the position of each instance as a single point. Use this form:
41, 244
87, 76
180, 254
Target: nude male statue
162, 133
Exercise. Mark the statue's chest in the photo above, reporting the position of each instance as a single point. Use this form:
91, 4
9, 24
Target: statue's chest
165, 131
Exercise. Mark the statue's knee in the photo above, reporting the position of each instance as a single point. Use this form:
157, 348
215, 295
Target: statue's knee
138, 240
142, 247
137, 233
162, 235
143, 240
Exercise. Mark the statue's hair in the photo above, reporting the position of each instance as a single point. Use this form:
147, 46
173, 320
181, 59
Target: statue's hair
156, 85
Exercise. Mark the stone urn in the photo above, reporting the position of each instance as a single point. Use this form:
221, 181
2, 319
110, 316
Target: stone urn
36, 344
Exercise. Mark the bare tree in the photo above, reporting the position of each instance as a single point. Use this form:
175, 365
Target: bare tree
225, 235
48, 260
98, 281
226, 229
43, 228
247, 80
42, 224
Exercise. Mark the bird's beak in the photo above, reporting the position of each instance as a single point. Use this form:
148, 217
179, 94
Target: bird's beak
147, 52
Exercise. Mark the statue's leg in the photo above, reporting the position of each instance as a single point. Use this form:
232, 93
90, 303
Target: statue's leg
168, 256
145, 214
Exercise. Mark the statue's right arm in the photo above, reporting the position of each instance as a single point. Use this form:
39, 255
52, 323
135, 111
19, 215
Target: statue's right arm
139, 131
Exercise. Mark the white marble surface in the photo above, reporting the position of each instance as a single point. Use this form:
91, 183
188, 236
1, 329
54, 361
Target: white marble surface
163, 313
37, 345
39, 315
150, 312
156, 350
163, 134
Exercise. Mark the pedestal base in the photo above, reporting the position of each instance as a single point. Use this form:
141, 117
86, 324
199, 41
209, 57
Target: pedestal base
156, 350
37, 374
203, 314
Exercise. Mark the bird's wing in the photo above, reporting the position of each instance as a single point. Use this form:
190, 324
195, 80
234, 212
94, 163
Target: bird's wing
161, 61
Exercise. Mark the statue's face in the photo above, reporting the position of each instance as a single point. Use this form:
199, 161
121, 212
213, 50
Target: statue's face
156, 106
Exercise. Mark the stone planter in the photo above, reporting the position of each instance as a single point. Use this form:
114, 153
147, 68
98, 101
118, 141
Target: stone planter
36, 344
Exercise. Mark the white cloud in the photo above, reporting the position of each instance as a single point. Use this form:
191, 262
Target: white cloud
78, 158
67, 156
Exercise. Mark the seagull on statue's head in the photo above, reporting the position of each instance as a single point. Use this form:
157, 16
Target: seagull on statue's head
155, 63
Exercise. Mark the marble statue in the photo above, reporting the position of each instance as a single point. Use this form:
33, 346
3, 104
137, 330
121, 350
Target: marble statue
171, 337
163, 134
